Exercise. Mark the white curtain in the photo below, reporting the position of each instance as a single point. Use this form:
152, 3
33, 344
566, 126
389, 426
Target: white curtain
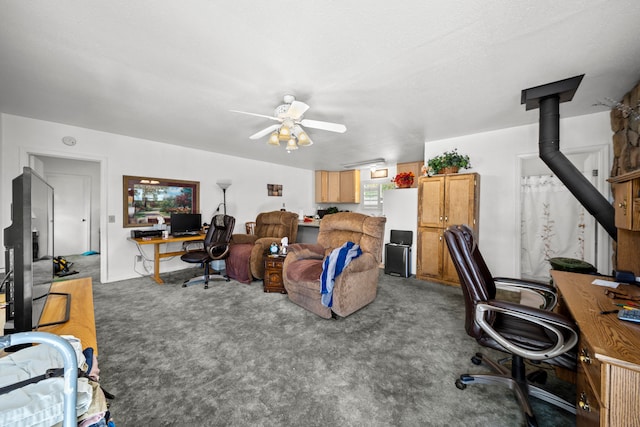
554, 224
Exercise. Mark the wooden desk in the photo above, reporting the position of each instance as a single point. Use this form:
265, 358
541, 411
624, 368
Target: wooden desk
157, 255
82, 323
608, 381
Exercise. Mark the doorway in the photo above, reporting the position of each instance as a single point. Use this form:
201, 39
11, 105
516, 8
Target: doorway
552, 221
77, 201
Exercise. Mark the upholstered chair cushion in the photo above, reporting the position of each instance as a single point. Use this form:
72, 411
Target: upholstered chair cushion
357, 285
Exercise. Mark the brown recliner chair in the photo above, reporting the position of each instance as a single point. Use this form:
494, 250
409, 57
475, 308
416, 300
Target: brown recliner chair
270, 227
523, 331
357, 285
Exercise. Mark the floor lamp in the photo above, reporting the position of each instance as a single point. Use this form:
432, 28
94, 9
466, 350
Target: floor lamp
224, 185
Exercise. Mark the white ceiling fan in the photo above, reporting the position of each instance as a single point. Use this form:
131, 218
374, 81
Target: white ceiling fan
289, 129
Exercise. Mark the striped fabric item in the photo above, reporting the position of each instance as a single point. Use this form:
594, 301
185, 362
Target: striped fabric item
333, 265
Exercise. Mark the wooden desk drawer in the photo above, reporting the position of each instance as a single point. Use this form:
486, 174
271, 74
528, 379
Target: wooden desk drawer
587, 405
591, 366
273, 264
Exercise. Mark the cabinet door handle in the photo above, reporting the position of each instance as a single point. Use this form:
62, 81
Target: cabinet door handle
446, 219
583, 403
584, 356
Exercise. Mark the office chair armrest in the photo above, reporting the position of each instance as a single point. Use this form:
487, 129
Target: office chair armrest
565, 331
193, 245
542, 290
218, 251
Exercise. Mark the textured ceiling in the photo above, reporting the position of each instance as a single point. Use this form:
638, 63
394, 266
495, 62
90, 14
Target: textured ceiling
396, 74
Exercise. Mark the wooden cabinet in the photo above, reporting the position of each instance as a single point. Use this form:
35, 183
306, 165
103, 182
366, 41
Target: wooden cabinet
273, 274
338, 186
443, 200
415, 167
626, 193
350, 186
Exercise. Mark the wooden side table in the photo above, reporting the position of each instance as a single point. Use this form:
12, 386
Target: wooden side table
273, 273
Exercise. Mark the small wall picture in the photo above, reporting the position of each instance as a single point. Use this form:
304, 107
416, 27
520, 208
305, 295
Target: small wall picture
379, 173
274, 190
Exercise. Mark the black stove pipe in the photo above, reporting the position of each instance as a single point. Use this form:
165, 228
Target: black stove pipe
571, 177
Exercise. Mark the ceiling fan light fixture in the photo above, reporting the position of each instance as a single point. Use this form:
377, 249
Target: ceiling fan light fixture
301, 136
284, 133
274, 139
289, 130
291, 144
303, 139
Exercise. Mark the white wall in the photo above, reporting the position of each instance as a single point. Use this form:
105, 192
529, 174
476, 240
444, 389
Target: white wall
496, 157
122, 155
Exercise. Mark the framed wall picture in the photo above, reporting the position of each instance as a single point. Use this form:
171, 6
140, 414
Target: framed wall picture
379, 173
146, 199
274, 190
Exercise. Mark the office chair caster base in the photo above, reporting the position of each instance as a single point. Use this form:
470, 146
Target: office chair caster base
477, 359
460, 385
530, 420
538, 377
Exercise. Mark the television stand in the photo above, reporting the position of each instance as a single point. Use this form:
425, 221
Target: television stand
81, 323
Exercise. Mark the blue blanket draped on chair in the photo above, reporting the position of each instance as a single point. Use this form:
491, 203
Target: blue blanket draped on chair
333, 265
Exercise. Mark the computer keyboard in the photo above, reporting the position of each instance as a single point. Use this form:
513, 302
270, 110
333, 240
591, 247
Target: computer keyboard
629, 315
185, 233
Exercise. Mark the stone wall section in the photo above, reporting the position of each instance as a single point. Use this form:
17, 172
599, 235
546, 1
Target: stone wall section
626, 131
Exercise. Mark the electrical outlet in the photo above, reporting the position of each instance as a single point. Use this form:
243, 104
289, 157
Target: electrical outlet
138, 258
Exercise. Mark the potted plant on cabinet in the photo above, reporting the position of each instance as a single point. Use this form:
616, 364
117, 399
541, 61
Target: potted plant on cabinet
448, 162
403, 179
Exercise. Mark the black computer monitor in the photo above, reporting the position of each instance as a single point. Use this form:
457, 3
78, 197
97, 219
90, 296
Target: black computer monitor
185, 223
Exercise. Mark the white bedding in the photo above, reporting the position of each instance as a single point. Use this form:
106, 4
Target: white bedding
38, 404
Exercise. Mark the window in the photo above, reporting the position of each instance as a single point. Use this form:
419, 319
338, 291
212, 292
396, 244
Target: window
372, 195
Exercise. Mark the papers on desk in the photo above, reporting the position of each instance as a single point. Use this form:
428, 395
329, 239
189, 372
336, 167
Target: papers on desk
605, 283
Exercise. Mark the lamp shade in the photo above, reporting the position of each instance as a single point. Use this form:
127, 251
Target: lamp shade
291, 145
224, 184
274, 139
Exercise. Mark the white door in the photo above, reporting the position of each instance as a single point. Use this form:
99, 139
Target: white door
71, 213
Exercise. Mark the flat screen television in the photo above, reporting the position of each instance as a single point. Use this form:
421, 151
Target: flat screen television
183, 224
28, 252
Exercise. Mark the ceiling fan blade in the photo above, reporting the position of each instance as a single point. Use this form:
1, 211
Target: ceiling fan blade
264, 132
316, 124
257, 115
297, 109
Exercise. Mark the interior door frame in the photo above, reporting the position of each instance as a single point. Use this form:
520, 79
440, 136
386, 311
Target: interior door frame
603, 240
26, 153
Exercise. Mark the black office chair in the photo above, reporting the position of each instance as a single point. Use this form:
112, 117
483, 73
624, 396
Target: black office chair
215, 246
523, 331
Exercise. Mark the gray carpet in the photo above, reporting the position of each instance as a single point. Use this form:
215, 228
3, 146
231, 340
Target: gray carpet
233, 355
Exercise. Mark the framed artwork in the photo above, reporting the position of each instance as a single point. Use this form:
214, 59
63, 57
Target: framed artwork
274, 190
379, 173
146, 200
